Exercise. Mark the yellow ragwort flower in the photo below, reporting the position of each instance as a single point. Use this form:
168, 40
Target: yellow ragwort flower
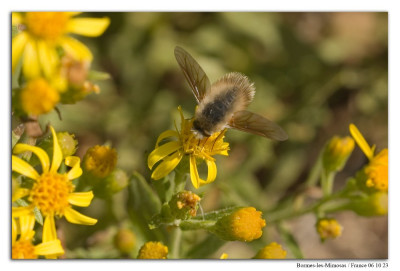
244, 224
186, 143
271, 251
23, 248
100, 160
377, 168
38, 97
52, 192
329, 228
153, 250
44, 32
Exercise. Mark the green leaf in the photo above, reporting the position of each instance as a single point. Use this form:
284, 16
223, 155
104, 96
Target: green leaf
38, 215
142, 198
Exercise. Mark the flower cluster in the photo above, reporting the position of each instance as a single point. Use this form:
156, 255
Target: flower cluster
54, 66
52, 192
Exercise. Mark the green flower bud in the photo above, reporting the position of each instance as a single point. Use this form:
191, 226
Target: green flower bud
117, 181
125, 241
67, 143
374, 204
336, 153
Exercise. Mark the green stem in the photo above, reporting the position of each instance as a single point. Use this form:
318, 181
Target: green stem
327, 182
196, 224
289, 213
175, 243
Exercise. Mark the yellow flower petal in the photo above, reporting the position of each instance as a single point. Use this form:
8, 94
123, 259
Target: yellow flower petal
53, 248
40, 153
20, 193
73, 13
22, 167
18, 46
14, 231
361, 142
26, 222
91, 27
48, 58
22, 211
16, 18
167, 165
159, 153
166, 134
57, 153
75, 171
194, 174
49, 229
76, 49
212, 172
30, 63
81, 199
77, 218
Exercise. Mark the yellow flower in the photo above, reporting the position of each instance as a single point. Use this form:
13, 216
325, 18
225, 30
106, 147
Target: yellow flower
329, 228
337, 152
23, 248
38, 97
244, 224
52, 192
153, 250
44, 33
100, 160
271, 251
171, 153
377, 170
224, 256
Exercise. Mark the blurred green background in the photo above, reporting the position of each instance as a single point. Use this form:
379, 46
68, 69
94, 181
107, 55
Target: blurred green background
315, 73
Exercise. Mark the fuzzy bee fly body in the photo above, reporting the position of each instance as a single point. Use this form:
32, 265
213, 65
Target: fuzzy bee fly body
223, 104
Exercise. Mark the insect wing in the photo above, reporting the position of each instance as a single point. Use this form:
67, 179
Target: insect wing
252, 123
194, 74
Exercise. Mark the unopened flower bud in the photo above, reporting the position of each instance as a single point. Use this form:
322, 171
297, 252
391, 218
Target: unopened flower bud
244, 224
271, 251
374, 204
153, 250
328, 228
100, 160
336, 153
125, 241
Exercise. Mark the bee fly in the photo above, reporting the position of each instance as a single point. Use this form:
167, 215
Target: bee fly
223, 104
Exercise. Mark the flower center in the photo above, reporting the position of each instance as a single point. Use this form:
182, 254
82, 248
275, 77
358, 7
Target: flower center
46, 25
203, 148
23, 250
50, 193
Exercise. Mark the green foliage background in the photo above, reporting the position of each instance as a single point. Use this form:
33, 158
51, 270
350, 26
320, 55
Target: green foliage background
315, 73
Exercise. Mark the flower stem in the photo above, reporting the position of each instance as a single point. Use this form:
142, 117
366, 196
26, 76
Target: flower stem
176, 239
289, 213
